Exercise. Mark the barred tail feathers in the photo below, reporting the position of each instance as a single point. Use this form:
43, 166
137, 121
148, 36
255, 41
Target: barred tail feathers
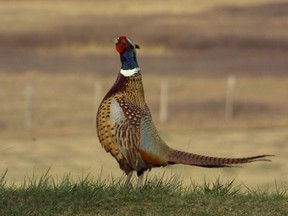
179, 157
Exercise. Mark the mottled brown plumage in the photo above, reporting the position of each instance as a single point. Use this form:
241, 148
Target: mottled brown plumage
126, 130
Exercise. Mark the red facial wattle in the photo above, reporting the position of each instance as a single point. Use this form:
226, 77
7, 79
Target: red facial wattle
122, 44
120, 47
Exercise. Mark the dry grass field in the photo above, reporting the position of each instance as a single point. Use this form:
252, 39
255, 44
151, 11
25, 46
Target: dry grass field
63, 131
64, 48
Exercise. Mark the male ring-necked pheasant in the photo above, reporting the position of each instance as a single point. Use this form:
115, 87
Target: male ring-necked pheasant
126, 130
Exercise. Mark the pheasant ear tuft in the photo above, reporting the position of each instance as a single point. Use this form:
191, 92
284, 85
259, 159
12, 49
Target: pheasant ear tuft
137, 46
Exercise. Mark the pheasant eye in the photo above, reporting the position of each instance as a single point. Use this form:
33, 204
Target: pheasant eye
125, 43
121, 46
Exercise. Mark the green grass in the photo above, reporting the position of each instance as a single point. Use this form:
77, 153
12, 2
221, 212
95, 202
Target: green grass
46, 195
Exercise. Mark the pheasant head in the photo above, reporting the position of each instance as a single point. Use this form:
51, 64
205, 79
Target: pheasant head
127, 50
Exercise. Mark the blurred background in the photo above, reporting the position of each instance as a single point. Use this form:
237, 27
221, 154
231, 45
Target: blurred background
215, 77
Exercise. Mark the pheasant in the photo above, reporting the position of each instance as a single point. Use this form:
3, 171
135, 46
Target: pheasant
126, 130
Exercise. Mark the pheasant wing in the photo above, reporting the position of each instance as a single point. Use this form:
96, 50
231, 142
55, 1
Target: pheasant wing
126, 118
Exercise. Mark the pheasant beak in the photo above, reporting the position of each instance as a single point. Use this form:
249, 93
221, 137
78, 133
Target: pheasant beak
122, 43
115, 40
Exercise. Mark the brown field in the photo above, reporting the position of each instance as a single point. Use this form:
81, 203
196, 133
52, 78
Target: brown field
64, 47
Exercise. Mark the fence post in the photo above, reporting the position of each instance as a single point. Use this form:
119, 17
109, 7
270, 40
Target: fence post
163, 113
231, 82
28, 92
97, 98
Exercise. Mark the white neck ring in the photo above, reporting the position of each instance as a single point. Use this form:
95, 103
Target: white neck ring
129, 72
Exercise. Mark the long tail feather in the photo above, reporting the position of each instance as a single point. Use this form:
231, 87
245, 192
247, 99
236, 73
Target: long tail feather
179, 157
